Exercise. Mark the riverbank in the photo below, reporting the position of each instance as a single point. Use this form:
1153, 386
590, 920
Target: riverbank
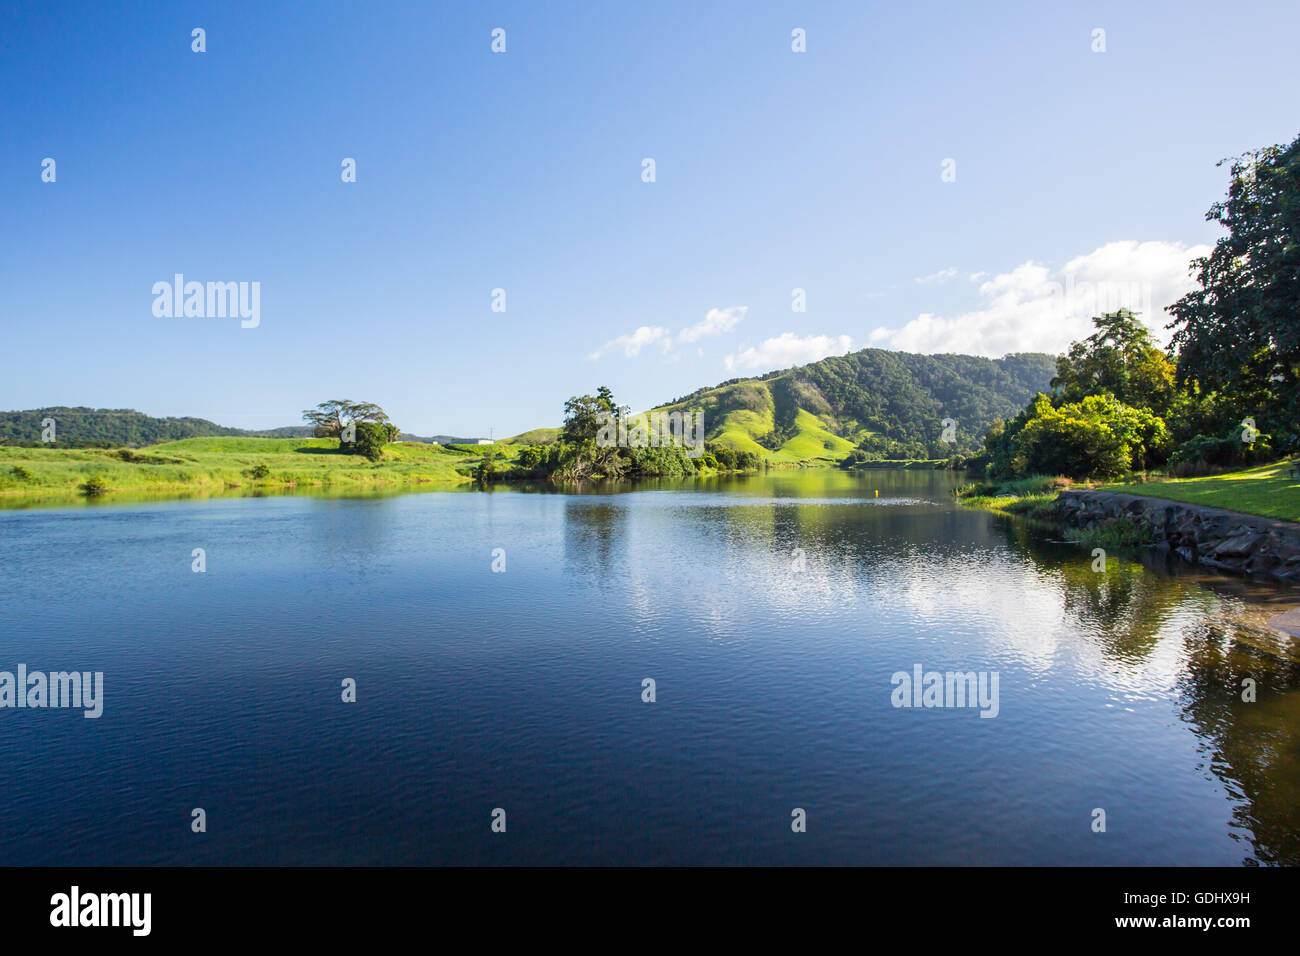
1217, 538
1180, 516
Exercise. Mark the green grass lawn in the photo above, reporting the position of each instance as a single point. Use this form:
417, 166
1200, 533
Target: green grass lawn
1266, 490
219, 466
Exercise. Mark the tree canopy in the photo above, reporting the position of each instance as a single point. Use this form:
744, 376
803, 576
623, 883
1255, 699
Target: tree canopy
1240, 331
330, 418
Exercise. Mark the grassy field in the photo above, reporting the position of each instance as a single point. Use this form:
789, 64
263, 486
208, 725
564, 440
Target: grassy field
1266, 490
219, 466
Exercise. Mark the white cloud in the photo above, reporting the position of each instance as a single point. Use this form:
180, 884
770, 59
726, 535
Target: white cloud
789, 349
716, 322
631, 345
943, 275
1033, 309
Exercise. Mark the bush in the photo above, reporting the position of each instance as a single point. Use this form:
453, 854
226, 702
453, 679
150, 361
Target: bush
93, 486
724, 456
371, 437
1041, 507
22, 474
258, 472
1114, 533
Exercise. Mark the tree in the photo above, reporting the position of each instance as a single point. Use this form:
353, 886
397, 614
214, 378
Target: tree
330, 418
1119, 359
583, 415
1239, 331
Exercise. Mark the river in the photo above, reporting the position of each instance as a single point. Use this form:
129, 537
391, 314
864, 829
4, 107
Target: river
502, 645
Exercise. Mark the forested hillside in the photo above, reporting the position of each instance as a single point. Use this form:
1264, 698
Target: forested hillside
875, 403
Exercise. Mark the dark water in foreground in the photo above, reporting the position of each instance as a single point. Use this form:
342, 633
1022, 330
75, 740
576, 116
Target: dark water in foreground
523, 690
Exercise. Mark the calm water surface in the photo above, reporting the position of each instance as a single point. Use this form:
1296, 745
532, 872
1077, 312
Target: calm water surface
523, 690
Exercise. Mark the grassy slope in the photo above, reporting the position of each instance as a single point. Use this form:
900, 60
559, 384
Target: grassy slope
736, 415
1265, 491
536, 436
812, 441
216, 465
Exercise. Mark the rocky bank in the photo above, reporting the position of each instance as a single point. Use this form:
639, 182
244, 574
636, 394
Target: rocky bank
1222, 540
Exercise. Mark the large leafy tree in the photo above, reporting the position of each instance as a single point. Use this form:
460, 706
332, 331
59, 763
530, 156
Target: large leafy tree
330, 418
1240, 331
1119, 359
1096, 437
583, 415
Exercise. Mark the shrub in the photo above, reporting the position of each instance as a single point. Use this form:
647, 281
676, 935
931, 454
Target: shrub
1114, 533
724, 456
93, 486
258, 472
370, 440
22, 474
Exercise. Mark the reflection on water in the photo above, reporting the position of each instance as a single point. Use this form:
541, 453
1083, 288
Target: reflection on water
771, 611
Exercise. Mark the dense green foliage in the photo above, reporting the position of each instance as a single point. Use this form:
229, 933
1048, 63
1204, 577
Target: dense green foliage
371, 437
1224, 396
1096, 437
1119, 359
1238, 335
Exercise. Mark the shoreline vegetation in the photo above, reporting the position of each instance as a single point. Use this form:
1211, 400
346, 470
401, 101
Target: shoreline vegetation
1266, 491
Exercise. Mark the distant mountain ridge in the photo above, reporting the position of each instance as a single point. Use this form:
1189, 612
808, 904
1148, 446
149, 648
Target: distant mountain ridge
126, 427
121, 426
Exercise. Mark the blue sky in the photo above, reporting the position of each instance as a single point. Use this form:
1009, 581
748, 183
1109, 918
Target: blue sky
522, 171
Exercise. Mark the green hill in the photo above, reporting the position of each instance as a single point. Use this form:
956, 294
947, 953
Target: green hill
889, 404
537, 436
